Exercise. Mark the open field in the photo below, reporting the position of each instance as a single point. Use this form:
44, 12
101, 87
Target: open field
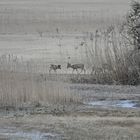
41, 107
32, 16
52, 30
76, 128
79, 121
65, 118
38, 105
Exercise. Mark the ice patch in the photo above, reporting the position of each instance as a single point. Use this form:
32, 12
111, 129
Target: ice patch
13, 134
116, 103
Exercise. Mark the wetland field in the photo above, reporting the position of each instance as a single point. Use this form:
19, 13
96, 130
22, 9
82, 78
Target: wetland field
38, 102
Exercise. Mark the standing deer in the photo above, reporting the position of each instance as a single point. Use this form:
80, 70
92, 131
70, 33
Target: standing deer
76, 67
54, 67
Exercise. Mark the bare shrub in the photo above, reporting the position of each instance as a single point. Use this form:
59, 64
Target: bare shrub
113, 56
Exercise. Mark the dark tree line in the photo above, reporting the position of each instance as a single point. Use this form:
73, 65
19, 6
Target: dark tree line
133, 24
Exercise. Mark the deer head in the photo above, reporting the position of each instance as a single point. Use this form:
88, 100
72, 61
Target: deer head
59, 66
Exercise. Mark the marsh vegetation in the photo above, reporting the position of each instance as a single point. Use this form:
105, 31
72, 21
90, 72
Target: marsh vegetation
69, 70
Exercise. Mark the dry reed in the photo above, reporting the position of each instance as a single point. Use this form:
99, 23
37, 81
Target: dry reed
21, 83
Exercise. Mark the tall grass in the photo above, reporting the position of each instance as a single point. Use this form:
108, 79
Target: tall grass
21, 83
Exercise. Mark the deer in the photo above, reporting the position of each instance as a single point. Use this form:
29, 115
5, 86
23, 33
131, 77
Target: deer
76, 67
54, 68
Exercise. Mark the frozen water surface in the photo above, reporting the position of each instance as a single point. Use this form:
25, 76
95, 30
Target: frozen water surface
14, 134
116, 103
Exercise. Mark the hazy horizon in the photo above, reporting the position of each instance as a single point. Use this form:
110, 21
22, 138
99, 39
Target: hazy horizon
29, 16
23, 21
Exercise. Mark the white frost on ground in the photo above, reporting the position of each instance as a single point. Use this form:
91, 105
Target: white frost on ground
33, 135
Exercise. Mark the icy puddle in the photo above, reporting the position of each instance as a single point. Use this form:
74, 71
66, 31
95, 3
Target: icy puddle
116, 103
14, 134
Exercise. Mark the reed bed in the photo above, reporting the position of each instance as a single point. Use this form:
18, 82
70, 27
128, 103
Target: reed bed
21, 83
112, 58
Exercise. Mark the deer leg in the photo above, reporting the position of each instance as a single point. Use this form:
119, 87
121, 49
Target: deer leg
72, 71
81, 70
77, 71
49, 71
